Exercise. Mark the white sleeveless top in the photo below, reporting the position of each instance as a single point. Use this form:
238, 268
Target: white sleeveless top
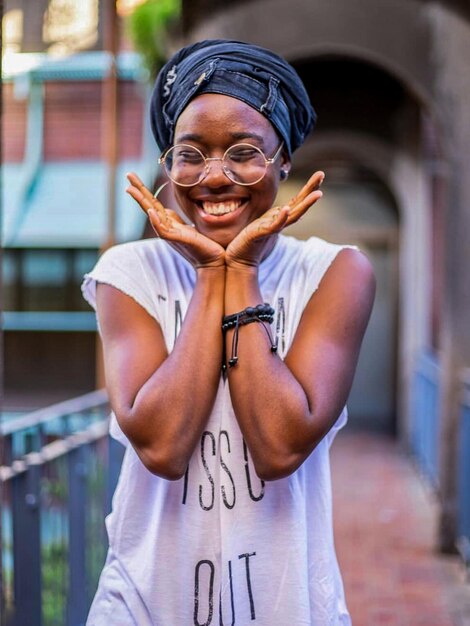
219, 546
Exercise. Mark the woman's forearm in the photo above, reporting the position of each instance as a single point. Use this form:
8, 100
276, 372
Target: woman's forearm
171, 408
271, 406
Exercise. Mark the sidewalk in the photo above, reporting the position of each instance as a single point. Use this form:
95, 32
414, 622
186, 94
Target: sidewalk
385, 521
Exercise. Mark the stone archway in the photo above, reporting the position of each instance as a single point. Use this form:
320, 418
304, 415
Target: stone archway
371, 127
358, 208
373, 123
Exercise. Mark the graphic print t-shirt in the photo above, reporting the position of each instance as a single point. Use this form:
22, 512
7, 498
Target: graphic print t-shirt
219, 546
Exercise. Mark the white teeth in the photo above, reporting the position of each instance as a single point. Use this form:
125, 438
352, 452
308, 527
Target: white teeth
221, 208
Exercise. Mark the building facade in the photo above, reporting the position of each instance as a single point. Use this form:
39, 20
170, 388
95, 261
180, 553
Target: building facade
56, 190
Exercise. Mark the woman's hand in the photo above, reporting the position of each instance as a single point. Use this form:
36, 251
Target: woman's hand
249, 246
199, 250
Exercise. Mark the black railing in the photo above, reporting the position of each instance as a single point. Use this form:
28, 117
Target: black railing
58, 474
425, 425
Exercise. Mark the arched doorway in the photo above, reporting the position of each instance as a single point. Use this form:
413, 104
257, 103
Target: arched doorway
357, 208
369, 130
372, 90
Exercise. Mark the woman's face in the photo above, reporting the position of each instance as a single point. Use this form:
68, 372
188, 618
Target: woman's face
218, 207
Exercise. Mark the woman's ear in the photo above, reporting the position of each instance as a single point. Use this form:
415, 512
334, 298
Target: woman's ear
285, 167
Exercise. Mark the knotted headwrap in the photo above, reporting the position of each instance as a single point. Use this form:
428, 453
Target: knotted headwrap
257, 76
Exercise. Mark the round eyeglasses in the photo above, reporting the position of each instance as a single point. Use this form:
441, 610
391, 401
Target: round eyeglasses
242, 163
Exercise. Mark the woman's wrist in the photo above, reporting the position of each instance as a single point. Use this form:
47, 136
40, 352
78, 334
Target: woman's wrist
210, 272
243, 270
241, 288
211, 280
242, 285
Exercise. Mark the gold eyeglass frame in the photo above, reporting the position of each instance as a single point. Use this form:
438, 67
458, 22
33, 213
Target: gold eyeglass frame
206, 169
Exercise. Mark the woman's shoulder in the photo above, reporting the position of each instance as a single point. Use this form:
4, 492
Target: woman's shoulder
303, 264
149, 253
140, 247
139, 269
310, 252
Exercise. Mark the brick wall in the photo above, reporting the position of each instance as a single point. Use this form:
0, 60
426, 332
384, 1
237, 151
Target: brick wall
13, 126
72, 128
72, 121
131, 114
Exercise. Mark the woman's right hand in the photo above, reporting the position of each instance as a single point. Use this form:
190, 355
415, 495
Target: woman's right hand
199, 250
249, 246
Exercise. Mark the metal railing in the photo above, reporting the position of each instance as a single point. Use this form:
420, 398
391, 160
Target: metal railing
463, 506
58, 474
426, 416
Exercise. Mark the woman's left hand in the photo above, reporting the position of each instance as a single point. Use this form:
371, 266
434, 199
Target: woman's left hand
199, 250
249, 246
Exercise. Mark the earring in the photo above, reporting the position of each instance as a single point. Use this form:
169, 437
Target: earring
284, 174
155, 195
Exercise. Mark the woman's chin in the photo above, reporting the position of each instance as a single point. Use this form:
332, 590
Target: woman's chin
225, 242
223, 237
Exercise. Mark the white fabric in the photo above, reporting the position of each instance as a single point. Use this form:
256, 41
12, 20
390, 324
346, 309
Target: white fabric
219, 546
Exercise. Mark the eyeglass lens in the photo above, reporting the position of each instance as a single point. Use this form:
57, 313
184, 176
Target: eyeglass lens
242, 163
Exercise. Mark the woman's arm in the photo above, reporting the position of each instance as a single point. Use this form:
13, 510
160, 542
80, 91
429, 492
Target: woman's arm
162, 401
285, 408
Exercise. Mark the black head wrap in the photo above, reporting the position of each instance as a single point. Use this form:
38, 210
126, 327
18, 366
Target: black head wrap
258, 77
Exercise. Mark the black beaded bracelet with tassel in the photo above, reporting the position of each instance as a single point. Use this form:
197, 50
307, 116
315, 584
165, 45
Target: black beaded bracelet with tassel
260, 313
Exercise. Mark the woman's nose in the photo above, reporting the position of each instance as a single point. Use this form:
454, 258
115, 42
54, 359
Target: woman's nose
216, 176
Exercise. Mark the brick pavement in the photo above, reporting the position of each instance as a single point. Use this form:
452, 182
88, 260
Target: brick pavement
385, 524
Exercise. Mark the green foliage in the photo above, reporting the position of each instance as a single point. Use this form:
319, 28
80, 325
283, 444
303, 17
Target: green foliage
149, 25
54, 490
54, 583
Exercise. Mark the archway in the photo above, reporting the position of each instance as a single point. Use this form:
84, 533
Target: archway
357, 208
369, 141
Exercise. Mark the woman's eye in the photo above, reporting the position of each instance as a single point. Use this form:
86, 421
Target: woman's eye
190, 157
244, 154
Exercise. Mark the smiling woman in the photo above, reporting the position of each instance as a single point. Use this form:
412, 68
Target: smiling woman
224, 504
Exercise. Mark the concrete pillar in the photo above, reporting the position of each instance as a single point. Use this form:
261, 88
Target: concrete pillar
451, 57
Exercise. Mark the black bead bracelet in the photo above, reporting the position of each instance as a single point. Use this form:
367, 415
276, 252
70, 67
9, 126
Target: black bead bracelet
260, 313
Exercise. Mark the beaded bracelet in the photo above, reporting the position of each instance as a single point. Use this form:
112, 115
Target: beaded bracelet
260, 313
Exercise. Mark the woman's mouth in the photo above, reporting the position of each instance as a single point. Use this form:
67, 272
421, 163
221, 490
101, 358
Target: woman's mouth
221, 208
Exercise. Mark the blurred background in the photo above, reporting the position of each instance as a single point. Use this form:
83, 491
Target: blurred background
390, 82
